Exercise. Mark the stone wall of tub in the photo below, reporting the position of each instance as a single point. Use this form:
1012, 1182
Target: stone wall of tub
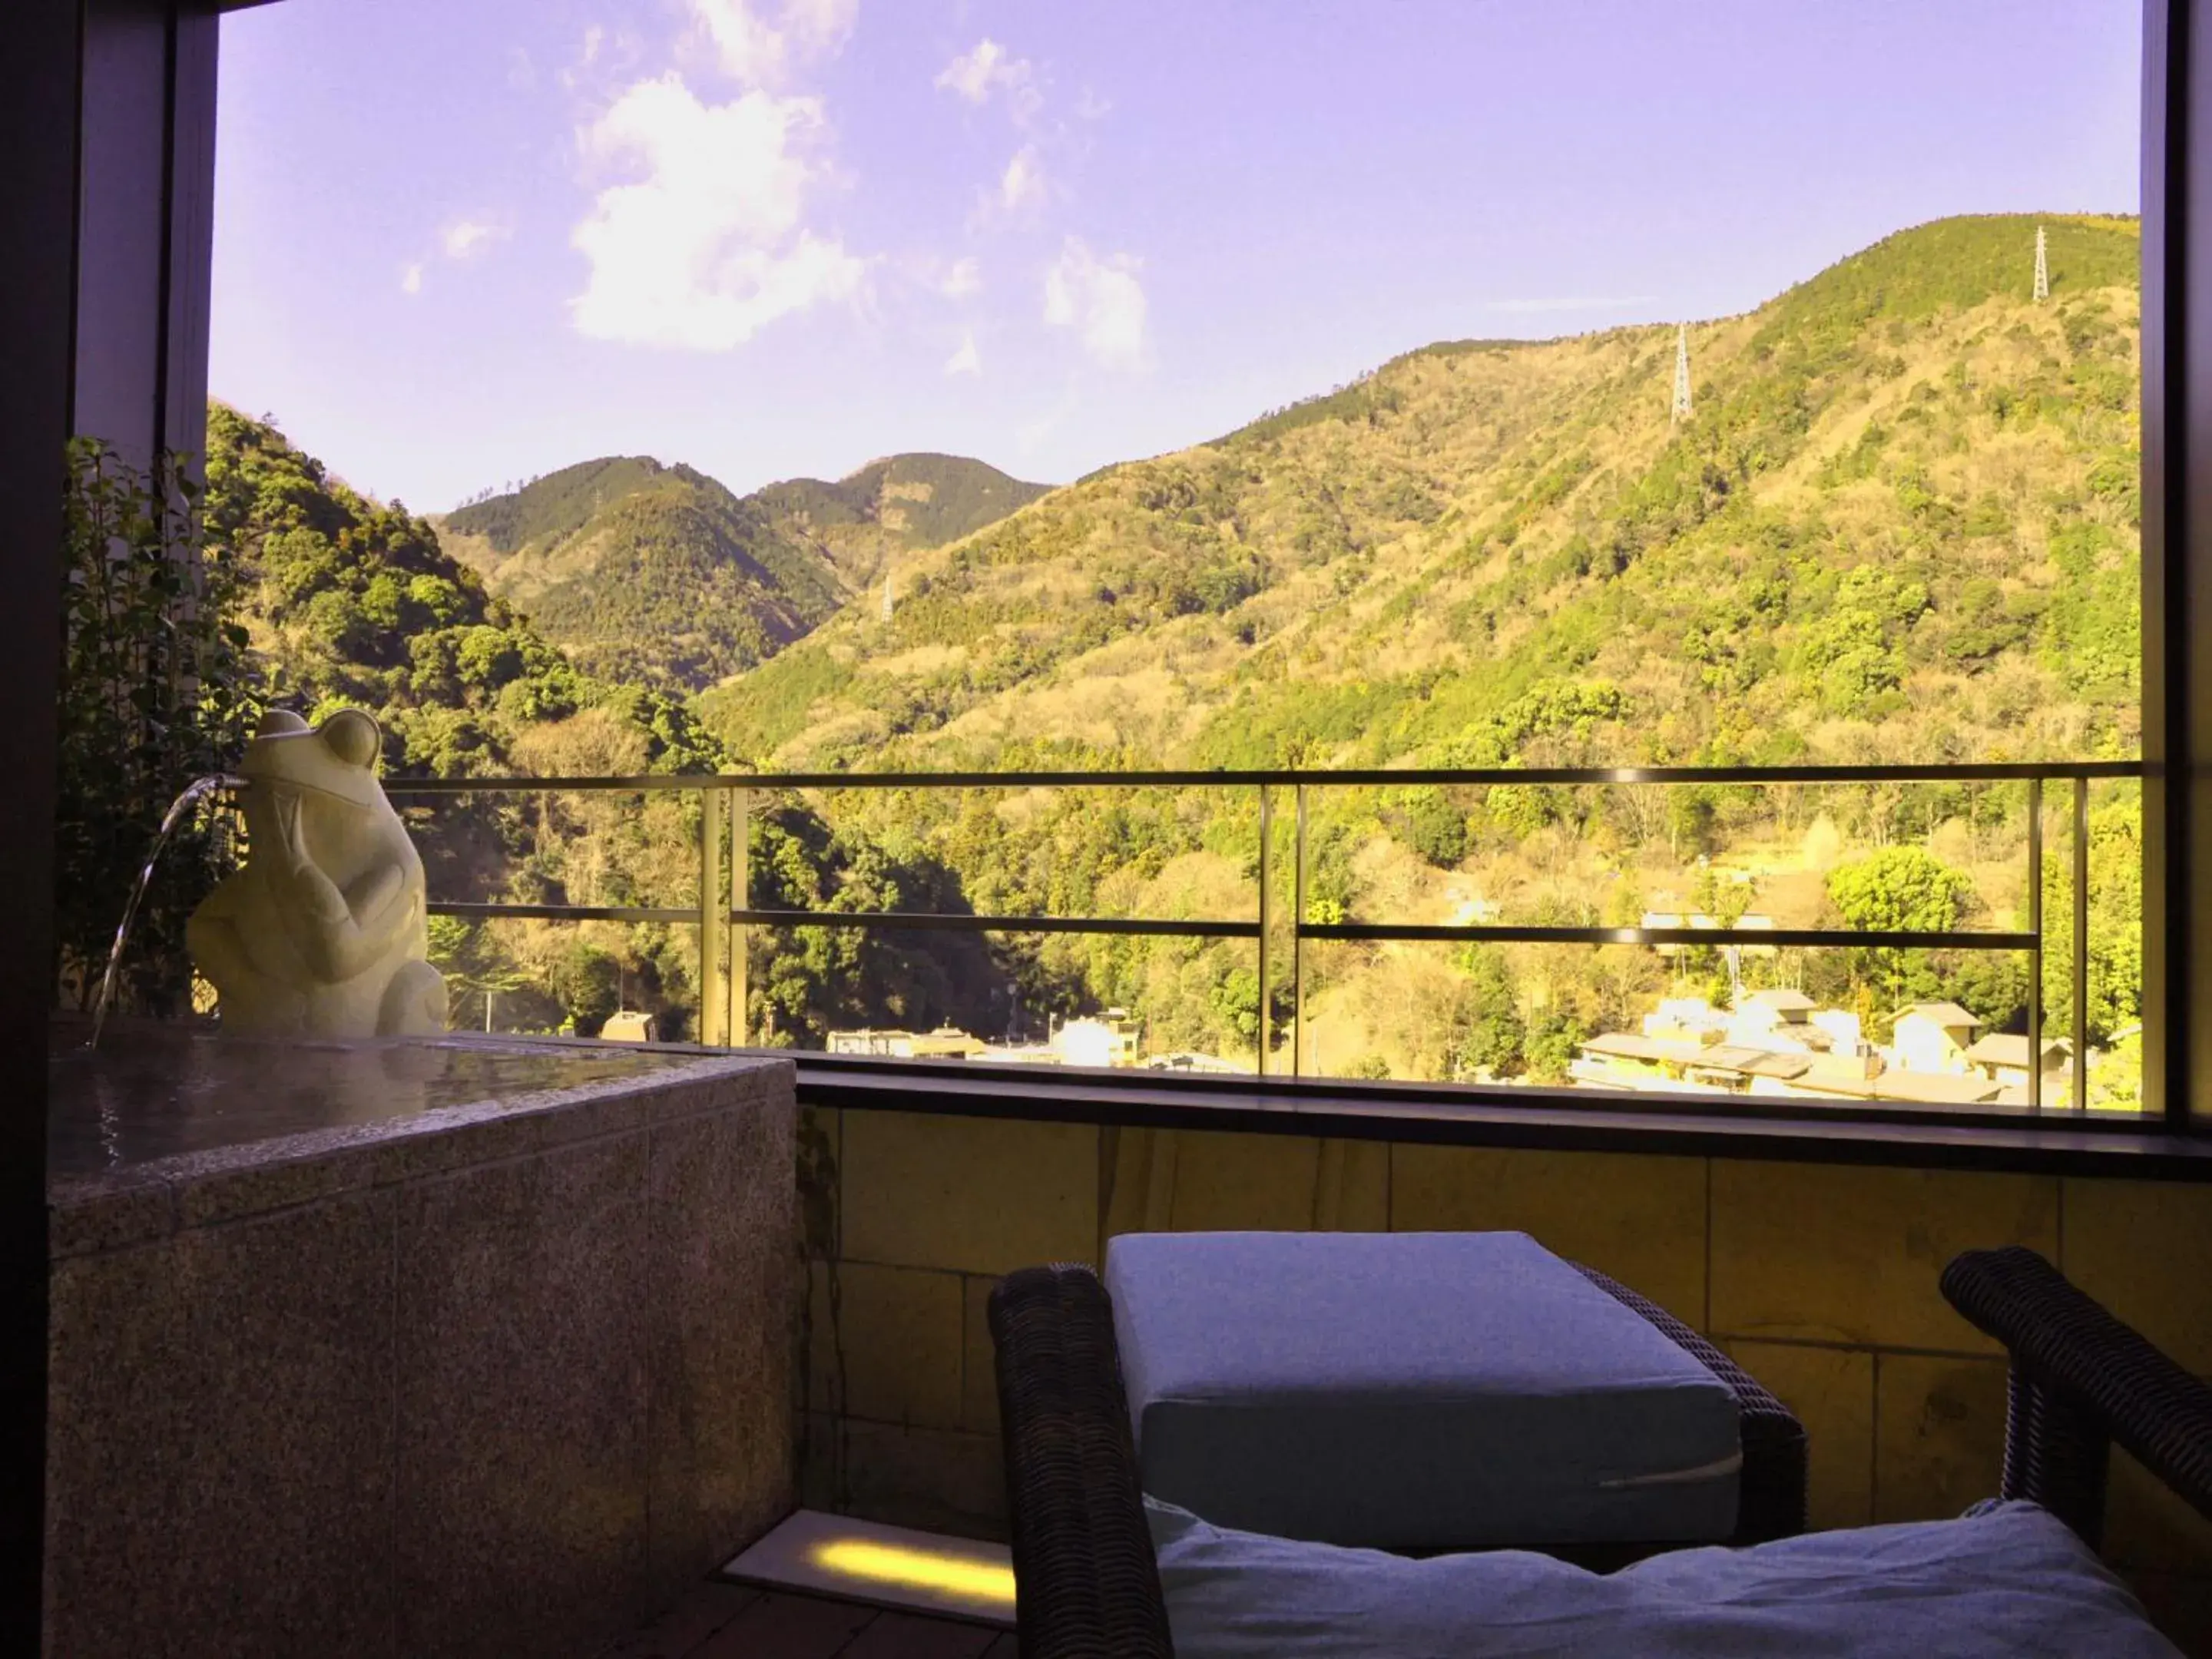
495, 1382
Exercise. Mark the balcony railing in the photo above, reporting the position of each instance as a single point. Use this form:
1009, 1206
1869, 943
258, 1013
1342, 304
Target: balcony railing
724, 914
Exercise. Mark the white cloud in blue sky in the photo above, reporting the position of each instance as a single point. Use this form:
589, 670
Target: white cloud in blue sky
989, 69
1102, 301
701, 239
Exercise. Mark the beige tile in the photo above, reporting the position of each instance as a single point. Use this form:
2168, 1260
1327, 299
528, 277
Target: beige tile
979, 1394
1832, 1392
1939, 1435
900, 1329
2146, 1526
819, 1157
1837, 1254
1243, 1182
969, 1194
1136, 1182
1219, 1181
935, 1480
1641, 1219
1353, 1188
2141, 1247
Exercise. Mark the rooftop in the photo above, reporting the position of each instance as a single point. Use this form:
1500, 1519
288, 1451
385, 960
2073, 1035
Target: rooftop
1942, 1013
2009, 1048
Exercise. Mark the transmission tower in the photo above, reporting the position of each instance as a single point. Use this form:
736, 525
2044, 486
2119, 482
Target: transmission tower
1682, 373
887, 593
2042, 269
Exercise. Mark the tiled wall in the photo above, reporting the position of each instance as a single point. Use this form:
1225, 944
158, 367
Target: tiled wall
1821, 1279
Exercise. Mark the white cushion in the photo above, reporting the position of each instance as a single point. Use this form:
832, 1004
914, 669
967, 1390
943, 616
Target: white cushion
2009, 1582
1412, 1391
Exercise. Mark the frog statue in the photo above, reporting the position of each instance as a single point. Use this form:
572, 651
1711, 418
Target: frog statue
323, 933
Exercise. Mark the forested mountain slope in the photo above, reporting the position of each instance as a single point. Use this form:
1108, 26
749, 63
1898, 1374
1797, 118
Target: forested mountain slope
894, 506
1904, 485
661, 575
352, 602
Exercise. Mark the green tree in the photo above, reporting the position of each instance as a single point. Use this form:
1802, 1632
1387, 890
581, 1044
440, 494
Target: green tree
1899, 890
1432, 827
157, 690
1491, 1034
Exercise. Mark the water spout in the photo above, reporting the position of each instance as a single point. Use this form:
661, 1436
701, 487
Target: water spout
183, 803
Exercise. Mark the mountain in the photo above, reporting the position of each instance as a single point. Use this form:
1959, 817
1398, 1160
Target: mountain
1904, 485
646, 573
661, 575
896, 505
1899, 525
349, 601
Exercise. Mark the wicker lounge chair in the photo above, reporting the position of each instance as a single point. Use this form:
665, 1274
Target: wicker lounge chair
1084, 1557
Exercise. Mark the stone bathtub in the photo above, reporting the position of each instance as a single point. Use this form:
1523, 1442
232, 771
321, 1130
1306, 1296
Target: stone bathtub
428, 1347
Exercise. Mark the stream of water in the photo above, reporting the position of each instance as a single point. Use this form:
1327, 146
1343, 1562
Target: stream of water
199, 787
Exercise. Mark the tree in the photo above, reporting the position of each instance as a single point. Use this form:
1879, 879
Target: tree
2115, 927
156, 692
1491, 1036
1899, 890
1433, 826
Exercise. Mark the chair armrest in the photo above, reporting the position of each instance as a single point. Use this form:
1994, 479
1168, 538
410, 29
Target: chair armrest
1089, 1584
2080, 1379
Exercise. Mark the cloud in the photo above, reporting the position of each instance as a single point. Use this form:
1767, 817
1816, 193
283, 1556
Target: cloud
1102, 301
975, 76
707, 246
963, 281
1023, 184
758, 50
460, 241
1569, 303
967, 359
465, 239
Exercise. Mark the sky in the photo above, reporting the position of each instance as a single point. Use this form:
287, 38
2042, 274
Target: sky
460, 243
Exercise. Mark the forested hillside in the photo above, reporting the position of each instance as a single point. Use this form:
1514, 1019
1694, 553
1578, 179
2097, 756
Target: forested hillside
897, 504
659, 576
1900, 525
1902, 481
352, 602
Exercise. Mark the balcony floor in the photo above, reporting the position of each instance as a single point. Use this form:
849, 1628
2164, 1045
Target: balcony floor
719, 1620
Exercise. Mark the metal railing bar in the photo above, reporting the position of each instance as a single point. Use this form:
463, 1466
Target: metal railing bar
1298, 937
646, 783
689, 913
2081, 942
1267, 833
1964, 772
1790, 937
1474, 933
962, 924
2035, 953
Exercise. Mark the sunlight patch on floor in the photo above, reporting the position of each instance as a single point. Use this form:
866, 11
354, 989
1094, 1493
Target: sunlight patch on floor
884, 1566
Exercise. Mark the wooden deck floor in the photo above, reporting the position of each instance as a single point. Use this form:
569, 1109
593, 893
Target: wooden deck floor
730, 1621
